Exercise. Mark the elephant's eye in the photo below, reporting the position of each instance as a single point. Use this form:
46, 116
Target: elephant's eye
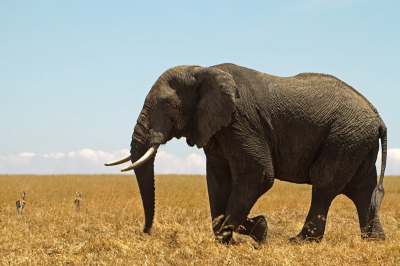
166, 106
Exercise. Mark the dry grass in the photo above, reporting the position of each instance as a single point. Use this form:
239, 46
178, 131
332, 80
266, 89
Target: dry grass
108, 228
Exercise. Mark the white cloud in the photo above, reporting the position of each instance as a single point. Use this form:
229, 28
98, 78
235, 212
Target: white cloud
26, 154
57, 155
88, 161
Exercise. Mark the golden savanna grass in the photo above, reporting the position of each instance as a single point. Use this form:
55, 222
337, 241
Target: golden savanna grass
108, 228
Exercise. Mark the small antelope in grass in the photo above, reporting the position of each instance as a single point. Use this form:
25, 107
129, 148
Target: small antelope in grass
21, 202
78, 201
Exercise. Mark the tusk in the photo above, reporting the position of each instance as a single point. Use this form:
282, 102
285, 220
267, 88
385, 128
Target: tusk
123, 160
150, 152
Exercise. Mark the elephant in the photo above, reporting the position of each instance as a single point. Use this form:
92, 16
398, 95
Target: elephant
254, 128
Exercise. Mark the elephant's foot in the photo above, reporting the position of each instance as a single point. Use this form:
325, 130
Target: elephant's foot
374, 232
255, 227
224, 236
223, 233
313, 231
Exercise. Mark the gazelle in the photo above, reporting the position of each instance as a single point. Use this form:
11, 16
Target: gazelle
78, 200
21, 202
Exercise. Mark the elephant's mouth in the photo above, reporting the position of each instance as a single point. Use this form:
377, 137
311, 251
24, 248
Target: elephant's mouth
149, 154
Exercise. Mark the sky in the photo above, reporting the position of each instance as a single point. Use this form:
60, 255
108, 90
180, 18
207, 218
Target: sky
74, 74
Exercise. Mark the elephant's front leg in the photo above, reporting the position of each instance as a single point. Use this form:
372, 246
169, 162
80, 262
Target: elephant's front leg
233, 189
245, 192
219, 184
219, 189
249, 180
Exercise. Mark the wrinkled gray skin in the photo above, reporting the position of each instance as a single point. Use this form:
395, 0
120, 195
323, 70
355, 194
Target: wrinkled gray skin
254, 128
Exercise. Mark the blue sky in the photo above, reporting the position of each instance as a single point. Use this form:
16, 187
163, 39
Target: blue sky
74, 74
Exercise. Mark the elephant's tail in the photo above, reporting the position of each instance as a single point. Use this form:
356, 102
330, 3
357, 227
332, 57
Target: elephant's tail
379, 192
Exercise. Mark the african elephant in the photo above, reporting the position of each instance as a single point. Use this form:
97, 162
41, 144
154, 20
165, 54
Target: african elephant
254, 128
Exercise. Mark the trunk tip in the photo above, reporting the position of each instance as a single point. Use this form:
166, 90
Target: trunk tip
146, 230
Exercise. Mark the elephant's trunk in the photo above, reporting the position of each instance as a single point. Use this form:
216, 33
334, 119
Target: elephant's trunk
145, 179
145, 171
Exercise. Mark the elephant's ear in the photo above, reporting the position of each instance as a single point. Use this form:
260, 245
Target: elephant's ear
216, 96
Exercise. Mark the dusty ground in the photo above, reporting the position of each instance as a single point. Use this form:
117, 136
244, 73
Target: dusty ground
108, 228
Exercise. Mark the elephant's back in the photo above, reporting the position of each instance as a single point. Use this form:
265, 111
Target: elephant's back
305, 85
307, 97
322, 98
331, 86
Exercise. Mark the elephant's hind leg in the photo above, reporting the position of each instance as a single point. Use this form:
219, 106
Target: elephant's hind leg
370, 225
314, 226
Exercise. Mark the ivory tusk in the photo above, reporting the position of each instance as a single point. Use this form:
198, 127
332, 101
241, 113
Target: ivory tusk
150, 152
123, 160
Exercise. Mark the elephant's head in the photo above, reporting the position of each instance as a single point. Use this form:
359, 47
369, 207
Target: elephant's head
186, 101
